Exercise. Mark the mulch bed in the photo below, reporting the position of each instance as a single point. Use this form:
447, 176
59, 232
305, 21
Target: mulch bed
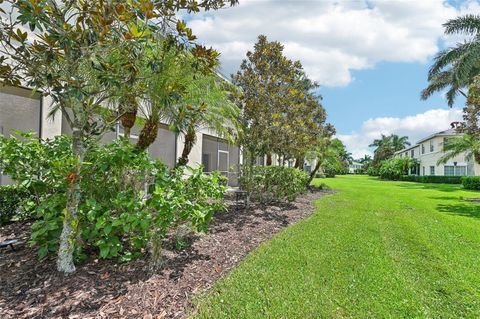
109, 289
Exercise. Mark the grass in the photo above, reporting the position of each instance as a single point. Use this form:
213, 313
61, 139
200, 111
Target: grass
374, 249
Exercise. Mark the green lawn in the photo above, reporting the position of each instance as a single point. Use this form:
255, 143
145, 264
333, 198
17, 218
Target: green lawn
375, 249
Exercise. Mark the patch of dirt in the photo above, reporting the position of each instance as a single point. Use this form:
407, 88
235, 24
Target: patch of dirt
109, 289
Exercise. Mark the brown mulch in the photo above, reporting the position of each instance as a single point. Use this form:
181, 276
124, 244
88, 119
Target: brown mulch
109, 289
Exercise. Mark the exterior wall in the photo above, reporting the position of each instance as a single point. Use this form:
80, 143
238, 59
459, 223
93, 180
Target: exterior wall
21, 109
429, 158
51, 126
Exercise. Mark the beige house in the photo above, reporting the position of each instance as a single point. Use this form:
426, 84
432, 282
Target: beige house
21, 109
430, 149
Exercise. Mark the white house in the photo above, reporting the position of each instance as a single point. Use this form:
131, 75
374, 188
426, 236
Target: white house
430, 149
22, 109
354, 167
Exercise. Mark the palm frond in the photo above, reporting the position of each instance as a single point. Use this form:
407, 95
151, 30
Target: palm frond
456, 146
467, 24
447, 57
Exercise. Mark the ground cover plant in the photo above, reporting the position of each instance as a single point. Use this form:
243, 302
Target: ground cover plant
128, 200
374, 249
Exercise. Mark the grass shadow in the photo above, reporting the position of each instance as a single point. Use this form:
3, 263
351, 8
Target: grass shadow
449, 188
467, 210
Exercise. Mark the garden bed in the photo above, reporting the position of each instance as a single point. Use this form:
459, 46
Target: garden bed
109, 289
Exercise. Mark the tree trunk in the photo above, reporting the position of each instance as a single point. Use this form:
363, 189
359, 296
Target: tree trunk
190, 138
130, 115
148, 134
128, 121
313, 173
269, 159
299, 162
70, 222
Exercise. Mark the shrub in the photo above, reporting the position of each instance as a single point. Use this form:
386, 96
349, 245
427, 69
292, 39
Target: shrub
373, 170
394, 168
273, 183
330, 170
126, 197
471, 182
432, 179
12, 201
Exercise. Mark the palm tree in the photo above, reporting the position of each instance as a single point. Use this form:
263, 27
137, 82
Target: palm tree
386, 146
366, 159
205, 105
454, 68
467, 144
399, 143
166, 83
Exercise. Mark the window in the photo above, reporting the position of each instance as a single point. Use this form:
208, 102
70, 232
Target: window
406, 154
412, 153
223, 162
460, 170
450, 170
423, 149
431, 146
423, 170
432, 170
206, 163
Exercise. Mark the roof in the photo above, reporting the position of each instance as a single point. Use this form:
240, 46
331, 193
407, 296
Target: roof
449, 132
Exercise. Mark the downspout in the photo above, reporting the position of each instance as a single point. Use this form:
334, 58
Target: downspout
40, 124
175, 150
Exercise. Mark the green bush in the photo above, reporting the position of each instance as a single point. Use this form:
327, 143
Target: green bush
432, 179
373, 170
471, 182
395, 168
13, 199
126, 196
273, 183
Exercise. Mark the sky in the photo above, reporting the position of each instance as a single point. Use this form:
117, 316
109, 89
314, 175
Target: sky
370, 57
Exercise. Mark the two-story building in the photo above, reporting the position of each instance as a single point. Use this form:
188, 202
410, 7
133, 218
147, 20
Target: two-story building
428, 152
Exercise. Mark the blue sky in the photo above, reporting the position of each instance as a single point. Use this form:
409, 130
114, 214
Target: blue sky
371, 57
389, 89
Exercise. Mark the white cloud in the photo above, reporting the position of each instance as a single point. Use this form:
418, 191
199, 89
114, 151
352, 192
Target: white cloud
415, 127
331, 38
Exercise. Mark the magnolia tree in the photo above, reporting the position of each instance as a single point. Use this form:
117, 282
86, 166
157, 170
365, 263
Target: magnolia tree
75, 52
280, 114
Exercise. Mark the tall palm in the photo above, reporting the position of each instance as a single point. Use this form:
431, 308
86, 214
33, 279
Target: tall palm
399, 143
386, 146
366, 159
454, 68
382, 141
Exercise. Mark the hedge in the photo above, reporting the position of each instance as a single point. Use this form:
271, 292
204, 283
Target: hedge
471, 182
273, 183
432, 179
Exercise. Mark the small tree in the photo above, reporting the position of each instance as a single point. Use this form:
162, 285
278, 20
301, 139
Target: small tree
264, 77
67, 54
